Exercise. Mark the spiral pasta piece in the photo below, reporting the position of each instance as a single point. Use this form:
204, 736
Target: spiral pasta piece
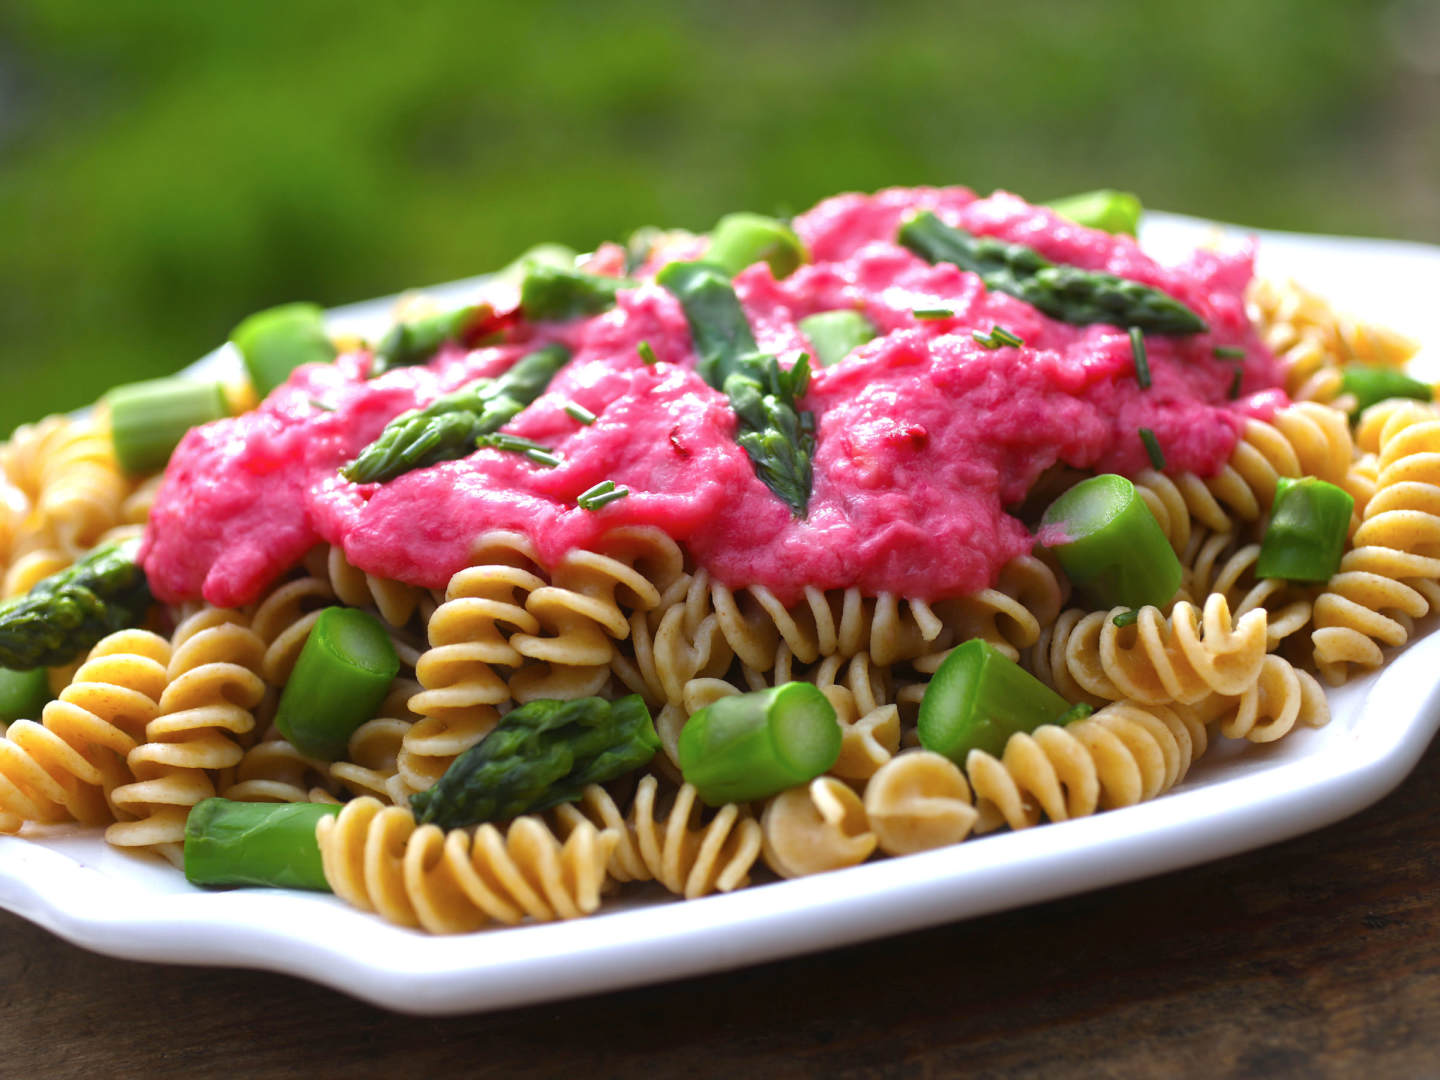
1124, 754
1216, 564
917, 801
688, 855
377, 859
66, 767
1387, 579
815, 827
205, 710
394, 601
68, 469
273, 770
1158, 660
462, 687
1269, 709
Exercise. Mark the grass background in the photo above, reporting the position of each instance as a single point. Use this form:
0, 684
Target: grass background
167, 166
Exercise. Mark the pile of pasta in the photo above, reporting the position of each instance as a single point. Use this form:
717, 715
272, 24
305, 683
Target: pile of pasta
156, 719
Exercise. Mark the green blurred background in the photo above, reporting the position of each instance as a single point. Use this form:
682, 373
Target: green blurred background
167, 166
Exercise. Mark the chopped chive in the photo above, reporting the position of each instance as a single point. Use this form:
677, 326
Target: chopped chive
647, 353
1235, 381
1075, 712
1228, 352
601, 495
933, 313
515, 443
579, 413
316, 403
1126, 618
518, 444
1142, 362
998, 336
1152, 447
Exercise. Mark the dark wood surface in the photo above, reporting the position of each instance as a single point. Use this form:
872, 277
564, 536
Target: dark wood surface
1315, 957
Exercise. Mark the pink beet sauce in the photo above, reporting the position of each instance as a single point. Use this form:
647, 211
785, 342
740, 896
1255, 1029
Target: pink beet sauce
924, 436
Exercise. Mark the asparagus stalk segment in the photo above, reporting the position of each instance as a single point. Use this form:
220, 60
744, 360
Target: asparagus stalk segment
836, 334
23, 694
66, 613
751, 746
1371, 384
229, 844
540, 755
344, 671
449, 427
1305, 538
1067, 293
776, 434
743, 239
1113, 211
148, 419
410, 343
978, 698
276, 341
553, 293
1110, 545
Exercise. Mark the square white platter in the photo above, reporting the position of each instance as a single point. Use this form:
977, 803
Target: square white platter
1238, 798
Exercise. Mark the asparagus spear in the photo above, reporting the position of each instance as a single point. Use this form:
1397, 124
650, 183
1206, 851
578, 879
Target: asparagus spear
409, 343
68, 612
1113, 211
550, 293
541, 754
1067, 293
270, 844
448, 427
778, 437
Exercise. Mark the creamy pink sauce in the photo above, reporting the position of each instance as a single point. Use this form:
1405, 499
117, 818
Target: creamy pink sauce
924, 436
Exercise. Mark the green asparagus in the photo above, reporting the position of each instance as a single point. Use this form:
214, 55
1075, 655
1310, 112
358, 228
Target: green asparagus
552, 293
448, 427
1068, 293
541, 754
68, 612
1113, 211
228, 844
776, 434
740, 240
410, 343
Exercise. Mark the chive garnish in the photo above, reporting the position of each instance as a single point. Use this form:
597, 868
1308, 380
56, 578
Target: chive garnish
1075, 712
579, 413
601, 495
647, 354
1142, 362
316, 403
518, 444
1152, 447
998, 336
1228, 352
1126, 618
1235, 381
933, 313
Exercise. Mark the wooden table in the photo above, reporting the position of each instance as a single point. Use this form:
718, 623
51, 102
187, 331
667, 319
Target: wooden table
1316, 957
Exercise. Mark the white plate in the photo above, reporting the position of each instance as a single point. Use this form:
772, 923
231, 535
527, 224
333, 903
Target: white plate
1240, 797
